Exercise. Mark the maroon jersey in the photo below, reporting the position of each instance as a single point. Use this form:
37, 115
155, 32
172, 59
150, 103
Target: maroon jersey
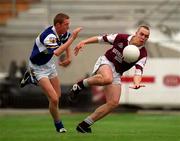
114, 55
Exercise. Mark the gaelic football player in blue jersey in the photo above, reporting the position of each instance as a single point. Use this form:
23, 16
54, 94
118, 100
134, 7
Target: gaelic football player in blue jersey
54, 40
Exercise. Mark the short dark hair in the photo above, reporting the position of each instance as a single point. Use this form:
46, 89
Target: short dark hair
144, 26
59, 18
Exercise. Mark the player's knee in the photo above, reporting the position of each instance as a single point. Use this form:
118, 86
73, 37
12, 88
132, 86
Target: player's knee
108, 80
55, 100
113, 104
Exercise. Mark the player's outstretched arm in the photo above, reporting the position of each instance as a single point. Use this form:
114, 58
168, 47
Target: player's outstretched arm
81, 44
63, 47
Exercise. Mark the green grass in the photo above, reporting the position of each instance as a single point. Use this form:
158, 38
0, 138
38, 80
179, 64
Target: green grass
115, 127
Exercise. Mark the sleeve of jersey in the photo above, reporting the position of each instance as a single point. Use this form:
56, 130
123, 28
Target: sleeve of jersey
140, 66
109, 38
51, 43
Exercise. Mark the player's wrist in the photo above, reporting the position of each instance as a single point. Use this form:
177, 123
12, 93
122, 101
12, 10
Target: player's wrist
73, 37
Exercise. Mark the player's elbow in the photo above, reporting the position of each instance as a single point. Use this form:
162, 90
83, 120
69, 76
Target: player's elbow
56, 53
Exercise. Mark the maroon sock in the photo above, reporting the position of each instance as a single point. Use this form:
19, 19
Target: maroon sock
80, 83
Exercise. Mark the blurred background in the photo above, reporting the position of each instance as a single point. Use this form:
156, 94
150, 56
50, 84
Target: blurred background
22, 20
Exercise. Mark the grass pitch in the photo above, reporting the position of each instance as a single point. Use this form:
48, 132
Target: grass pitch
114, 127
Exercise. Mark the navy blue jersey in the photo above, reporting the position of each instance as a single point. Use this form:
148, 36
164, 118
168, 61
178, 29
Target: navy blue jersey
45, 44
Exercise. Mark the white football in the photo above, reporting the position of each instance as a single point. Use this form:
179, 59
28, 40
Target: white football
131, 53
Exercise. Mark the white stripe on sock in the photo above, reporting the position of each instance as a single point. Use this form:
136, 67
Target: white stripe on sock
85, 83
89, 121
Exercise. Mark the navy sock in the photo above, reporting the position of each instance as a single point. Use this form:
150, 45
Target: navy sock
58, 125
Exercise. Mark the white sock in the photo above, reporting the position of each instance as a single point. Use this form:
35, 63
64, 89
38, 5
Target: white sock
89, 121
85, 83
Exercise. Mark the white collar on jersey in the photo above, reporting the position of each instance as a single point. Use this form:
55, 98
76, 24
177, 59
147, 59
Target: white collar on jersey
54, 30
129, 39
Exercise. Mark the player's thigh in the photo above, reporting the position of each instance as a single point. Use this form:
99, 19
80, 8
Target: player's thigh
113, 93
56, 85
47, 87
105, 71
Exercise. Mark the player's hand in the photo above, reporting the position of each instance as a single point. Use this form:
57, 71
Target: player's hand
75, 32
64, 63
79, 46
136, 86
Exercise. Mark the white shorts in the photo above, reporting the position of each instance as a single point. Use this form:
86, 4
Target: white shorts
47, 70
102, 60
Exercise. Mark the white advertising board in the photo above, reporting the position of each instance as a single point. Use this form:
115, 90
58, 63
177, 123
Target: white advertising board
162, 80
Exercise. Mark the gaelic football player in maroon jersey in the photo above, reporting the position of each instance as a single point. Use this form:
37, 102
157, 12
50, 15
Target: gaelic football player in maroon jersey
109, 69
